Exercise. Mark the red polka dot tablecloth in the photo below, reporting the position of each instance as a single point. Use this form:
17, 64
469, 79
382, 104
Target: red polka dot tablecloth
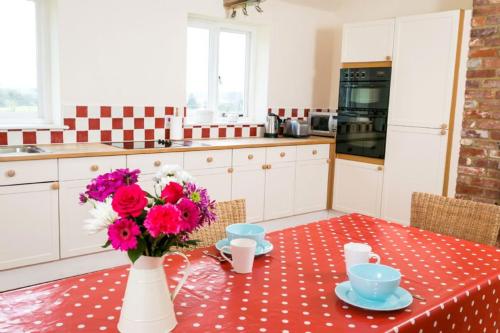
291, 289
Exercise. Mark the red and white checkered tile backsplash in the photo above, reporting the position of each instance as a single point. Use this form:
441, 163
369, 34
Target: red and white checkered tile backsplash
133, 123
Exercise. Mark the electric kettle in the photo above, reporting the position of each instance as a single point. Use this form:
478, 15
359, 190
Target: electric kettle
272, 125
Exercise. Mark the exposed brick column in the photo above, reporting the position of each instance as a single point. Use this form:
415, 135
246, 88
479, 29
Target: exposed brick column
479, 164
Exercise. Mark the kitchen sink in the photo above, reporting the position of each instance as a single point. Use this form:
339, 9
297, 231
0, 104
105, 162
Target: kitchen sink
22, 150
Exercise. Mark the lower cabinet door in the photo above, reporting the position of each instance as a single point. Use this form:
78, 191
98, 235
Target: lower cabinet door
249, 183
311, 186
357, 187
279, 193
147, 184
30, 225
74, 239
419, 169
217, 181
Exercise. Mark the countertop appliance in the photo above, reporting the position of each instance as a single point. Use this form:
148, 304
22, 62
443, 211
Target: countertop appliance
322, 123
156, 144
296, 128
272, 125
362, 111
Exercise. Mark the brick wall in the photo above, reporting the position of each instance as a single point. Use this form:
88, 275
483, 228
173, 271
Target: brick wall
479, 164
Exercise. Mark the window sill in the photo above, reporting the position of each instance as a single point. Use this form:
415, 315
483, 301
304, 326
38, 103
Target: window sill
33, 127
242, 122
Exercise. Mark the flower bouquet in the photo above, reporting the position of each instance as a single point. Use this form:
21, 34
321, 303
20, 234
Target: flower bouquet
147, 226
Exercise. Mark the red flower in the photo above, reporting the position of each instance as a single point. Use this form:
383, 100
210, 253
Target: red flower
163, 220
172, 192
129, 200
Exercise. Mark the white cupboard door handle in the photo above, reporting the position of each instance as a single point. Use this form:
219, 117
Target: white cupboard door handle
444, 126
264, 166
388, 58
250, 157
282, 154
443, 132
94, 168
380, 168
157, 163
210, 159
230, 170
10, 173
54, 186
315, 152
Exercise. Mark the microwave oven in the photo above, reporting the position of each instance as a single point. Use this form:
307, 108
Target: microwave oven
322, 123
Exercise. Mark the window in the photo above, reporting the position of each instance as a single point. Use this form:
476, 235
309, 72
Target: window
219, 62
26, 97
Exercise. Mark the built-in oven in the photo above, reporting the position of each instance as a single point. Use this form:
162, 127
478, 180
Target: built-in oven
362, 111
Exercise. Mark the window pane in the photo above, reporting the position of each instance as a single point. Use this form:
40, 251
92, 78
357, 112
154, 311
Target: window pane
198, 41
18, 57
232, 72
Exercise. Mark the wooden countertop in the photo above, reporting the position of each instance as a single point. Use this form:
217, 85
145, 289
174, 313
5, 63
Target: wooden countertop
99, 149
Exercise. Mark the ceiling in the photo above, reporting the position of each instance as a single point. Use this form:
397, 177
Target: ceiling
330, 5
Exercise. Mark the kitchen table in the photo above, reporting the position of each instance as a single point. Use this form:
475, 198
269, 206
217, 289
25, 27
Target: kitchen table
291, 288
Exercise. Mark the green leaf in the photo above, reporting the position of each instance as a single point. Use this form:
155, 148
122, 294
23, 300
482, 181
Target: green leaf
108, 243
137, 252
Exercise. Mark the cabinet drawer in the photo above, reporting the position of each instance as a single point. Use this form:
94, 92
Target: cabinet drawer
25, 172
249, 156
151, 163
207, 159
313, 152
281, 154
89, 167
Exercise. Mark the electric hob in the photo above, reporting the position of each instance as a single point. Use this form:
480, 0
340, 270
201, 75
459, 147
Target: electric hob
156, 144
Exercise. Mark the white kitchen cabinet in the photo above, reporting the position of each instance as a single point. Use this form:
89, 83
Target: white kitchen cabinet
367, 41
217, 181
423, 69
279, 192
414, 162
74, 239
30, 226
249, 182
311, 184
357, 187
152, 163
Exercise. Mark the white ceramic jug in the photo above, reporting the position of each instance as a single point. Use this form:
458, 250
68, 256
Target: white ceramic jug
147, 304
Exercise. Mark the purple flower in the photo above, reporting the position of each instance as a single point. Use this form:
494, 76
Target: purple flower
107, 184
200, 197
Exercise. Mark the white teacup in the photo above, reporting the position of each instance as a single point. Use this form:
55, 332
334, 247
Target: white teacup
243, 254
358, 253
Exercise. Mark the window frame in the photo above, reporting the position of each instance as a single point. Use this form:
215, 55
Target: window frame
49, 111
215, 28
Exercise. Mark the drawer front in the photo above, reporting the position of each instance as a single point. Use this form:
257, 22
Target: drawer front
207, 159
313, 152
151, 163
89, 167
25, 172
249, 156
281, 154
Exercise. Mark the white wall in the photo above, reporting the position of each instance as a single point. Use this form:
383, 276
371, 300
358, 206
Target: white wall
129, 52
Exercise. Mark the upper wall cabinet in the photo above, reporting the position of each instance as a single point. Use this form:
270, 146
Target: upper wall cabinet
368, 41
423, 69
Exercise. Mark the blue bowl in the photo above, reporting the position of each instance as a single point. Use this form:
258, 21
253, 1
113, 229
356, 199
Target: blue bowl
374, 281
245, 230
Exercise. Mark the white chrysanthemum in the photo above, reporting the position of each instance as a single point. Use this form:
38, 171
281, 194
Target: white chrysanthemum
184, 177
172, 173
102, 216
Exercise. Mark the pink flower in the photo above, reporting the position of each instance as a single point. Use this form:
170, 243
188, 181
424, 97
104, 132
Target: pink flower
163, 220
172, 192
190, 214
122, 234
129, 200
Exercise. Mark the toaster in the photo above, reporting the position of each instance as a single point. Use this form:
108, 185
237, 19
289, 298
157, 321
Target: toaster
296, 128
